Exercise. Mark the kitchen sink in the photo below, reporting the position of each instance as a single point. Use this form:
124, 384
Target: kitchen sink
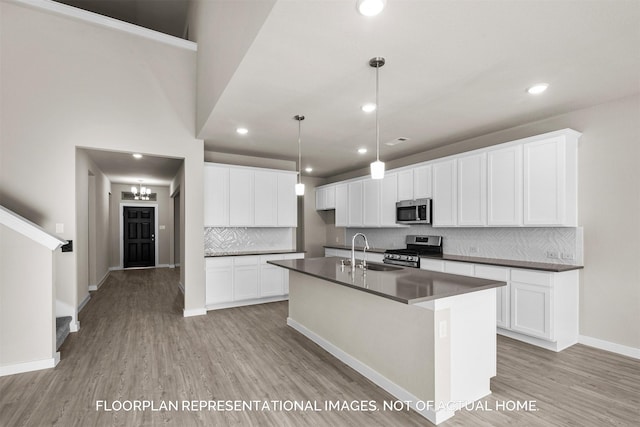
381, 267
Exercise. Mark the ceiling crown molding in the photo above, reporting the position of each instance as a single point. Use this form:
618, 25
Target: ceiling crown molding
104, 21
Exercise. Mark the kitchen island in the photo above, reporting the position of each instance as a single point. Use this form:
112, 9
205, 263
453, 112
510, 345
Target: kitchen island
428, 338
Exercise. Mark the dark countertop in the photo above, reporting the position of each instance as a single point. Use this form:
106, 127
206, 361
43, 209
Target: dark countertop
528, 265
244, 253
406, 285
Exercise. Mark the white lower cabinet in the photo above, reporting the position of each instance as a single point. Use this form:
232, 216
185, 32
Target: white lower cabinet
241, 280
537, 307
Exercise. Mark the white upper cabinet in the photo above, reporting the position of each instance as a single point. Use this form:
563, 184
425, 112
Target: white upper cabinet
265, 196
550, 181
405, 185
355, 204
445, 199
472, 190
388, 198
422, 187
216, 196
326, 197
237, 196
504, 186
371, 199
287, 200
342, 205
240, 197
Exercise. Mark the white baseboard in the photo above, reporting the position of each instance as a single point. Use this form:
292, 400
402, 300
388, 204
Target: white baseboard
549, 345
93, 288
223, 305
84, 302
435, 417
194, 312
610, 346
36, 365
74, 326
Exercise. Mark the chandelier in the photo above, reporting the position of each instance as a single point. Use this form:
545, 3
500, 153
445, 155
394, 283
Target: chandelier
140, 192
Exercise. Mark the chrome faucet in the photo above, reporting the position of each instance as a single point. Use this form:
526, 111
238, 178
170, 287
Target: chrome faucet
353, 251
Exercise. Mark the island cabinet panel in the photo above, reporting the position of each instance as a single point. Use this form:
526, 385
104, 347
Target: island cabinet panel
342, 205
355, 204
216, 196
265, 199
472, 190
504, 186
445, 203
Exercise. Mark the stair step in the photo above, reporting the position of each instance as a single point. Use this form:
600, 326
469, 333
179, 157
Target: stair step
62, 329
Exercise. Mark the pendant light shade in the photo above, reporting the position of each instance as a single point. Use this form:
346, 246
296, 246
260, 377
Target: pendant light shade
299, 185
377, 167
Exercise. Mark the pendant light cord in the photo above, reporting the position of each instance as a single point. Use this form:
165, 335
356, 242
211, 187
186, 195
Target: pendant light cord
299, 154
377, 112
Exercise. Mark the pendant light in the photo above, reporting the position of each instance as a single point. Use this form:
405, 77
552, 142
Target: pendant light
377, 167
299, 185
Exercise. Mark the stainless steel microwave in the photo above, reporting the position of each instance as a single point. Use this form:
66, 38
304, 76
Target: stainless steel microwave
413, 211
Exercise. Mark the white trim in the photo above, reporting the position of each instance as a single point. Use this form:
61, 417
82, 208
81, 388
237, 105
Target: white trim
94, 288
84, 302
74, 326
156, 214
610, 346
29, 229
232, 304
104, 21
194, 312
435, 417
539, 342
36, 365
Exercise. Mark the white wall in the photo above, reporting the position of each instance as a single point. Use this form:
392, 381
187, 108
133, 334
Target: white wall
67, 83
609, 210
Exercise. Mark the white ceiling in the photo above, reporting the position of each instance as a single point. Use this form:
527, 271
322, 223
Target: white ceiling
123, 168
455, 70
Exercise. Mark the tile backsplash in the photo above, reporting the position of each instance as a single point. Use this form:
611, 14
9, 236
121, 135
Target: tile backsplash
523, 244
242, 239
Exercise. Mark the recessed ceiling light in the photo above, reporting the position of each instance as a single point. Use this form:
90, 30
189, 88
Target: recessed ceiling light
538, 88
362, 150
370, 7
242, 131
137, 155
308, 169
368, 108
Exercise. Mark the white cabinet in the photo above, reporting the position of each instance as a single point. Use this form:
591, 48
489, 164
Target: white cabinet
355, 204
502, 293
388, 198
326, 197
461, 268
431, 264
504, 186
236, 196
287, 200
531, 310
371, 203
422, 187
472, 190
265, 199
219, 280
271, 276
550, 181
245, 278
330, 252
342, 205
216, 196
405, 185
445, 193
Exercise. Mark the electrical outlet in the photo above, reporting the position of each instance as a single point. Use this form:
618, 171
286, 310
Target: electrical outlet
568, 256
552, 255
473, 249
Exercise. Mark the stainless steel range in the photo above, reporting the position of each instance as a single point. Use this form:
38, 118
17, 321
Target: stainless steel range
417, 246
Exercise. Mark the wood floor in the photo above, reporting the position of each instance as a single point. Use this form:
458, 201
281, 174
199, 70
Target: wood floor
134, 345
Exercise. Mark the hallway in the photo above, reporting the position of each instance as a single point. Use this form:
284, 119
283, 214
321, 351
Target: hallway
134, 345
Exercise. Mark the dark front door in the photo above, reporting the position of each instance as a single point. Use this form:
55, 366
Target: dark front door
139, 238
